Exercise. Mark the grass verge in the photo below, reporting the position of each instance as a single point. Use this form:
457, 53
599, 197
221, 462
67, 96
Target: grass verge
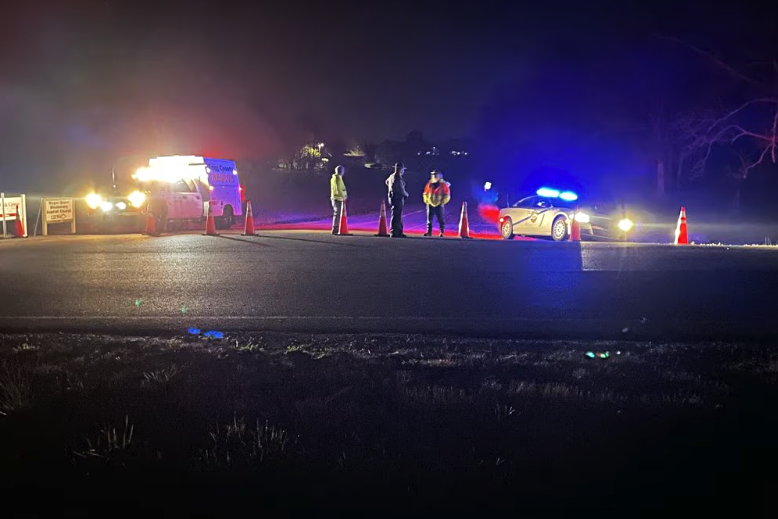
277, 421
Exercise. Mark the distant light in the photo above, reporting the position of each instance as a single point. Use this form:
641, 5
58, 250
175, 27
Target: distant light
136, 198
210, 188
626, 224
121, 206
234, 171
106, 206
487, 186
547, 192
93, 200
568, 196
321, 145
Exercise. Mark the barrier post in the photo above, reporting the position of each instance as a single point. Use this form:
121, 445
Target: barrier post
44, 221
2, 210
24, 212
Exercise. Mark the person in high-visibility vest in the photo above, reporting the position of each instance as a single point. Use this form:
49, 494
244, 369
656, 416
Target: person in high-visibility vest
338, 196
437, 194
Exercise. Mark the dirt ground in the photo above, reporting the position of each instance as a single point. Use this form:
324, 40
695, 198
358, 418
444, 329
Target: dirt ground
185, 425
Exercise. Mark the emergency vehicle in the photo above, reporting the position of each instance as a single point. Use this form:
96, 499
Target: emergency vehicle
550, 212
181, 188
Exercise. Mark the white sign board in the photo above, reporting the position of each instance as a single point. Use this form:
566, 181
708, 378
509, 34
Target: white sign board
11, 209
58, 210
11, 203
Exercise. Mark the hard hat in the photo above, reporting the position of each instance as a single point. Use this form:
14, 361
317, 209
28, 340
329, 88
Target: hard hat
339, 170
399, 165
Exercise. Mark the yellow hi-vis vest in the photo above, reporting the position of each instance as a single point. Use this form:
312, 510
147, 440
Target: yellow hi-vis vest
337, 188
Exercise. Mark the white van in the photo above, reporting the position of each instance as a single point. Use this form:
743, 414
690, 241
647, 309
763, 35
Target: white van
180, 189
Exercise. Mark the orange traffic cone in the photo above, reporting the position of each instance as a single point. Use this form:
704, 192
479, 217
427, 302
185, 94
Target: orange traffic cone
464, 224
343, 227
210, 223
575, 229
382, 227
681, 234
18, 225
249, 229
151, 224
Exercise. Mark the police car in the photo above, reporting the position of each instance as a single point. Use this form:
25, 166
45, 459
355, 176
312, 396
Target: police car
550, 212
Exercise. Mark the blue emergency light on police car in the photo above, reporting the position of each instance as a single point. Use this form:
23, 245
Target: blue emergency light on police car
567, 196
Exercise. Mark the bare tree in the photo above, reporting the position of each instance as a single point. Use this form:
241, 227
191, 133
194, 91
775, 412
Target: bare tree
731, 127
755, 121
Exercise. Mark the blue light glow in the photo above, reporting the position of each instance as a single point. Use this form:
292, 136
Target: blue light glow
568, 196
547, 192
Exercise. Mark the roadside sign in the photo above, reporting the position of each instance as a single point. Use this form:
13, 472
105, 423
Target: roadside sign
10, 203
9, 207
58, 210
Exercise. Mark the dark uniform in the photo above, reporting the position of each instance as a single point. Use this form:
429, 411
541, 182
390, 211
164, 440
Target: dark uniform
397, 196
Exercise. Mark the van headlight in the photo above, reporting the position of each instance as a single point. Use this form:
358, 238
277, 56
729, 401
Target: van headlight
106, 206
136, 198
581, 217
93, 200
626, 224
121, 206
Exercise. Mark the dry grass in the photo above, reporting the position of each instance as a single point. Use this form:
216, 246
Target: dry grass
236, 444
108, 441
363, 417
16, 383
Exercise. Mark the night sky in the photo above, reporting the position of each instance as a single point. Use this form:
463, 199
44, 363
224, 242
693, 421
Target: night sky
84, 82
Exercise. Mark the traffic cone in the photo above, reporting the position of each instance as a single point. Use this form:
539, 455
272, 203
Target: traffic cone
210, 223
343, 227
18, 225
249, 229
681, 234
464, 224
382, 227
151, 224
575, 229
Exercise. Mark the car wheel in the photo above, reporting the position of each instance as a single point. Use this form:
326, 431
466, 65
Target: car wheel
227, 219
507, 229
559, 229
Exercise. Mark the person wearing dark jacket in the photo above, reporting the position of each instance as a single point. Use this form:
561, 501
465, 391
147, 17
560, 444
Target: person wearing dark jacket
397, 195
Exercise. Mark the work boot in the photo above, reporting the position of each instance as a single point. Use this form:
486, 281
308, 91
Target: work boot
428, 233
441, 233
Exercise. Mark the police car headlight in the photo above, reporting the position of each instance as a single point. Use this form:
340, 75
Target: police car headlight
581, 217
121, 206
626, 224
93, 200
137, 198
106, 206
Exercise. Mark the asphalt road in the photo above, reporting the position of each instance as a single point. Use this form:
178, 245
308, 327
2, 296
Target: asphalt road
307, 281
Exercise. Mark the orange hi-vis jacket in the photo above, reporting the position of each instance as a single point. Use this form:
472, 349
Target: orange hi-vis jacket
437, 193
